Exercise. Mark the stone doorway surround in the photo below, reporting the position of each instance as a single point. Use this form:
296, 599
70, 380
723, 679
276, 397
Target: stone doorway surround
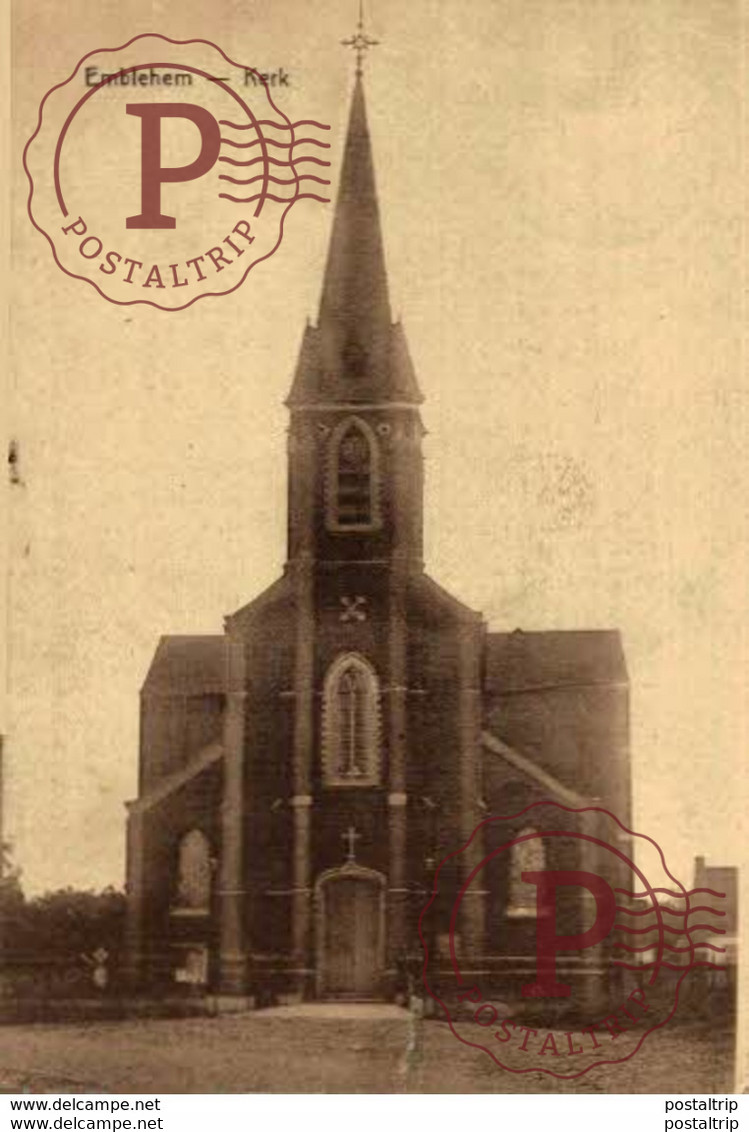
349, 873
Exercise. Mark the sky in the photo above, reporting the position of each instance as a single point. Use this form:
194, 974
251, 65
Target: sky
562, 200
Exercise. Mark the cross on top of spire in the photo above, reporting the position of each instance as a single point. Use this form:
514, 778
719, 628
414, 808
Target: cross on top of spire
360, 42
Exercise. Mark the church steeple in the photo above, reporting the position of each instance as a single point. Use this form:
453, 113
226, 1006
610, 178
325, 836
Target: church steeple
355, 306
355, 463
355, 353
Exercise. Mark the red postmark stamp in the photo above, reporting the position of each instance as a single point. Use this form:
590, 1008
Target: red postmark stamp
549, 948
161, 171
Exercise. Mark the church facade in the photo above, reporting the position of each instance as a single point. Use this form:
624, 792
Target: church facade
302, 773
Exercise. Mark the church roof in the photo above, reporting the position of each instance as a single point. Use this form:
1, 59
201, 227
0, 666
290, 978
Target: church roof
531, 770
210, 755
521, 661
725, 880
355, 353
187, 666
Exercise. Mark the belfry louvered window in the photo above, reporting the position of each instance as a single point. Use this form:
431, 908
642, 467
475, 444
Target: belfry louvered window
354, 502
352, 491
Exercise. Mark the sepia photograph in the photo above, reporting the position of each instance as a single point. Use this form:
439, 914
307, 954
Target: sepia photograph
376, 541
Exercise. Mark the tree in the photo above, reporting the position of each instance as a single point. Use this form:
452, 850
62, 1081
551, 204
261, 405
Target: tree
71, 923
11, 898
11, 894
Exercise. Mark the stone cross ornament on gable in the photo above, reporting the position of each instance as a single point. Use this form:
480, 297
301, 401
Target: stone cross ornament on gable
353, 608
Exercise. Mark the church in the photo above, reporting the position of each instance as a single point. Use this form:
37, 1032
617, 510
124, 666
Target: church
302, 774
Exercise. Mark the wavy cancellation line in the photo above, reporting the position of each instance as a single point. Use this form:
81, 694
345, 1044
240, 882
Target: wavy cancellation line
278, 200
671, 911
276, 125
666, 928
273, 161
275, 180
649, 947
278, 144
669, 966
670, 892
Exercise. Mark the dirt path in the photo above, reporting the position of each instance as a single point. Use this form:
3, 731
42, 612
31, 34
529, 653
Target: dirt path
313, 1049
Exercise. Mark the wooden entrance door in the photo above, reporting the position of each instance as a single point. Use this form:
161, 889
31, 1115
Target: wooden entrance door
350, 955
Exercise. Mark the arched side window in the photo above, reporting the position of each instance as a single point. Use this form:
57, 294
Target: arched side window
352, 489
194, 869
351, 723
525, 857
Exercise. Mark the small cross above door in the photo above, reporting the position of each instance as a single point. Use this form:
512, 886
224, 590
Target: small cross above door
351, 837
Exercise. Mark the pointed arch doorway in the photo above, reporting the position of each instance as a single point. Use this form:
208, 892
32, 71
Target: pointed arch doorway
350, 932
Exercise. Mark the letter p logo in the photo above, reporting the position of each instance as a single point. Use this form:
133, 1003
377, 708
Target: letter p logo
153, 175
548, 943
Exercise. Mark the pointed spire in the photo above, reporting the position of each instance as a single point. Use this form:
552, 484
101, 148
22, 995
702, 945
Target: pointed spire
355, 353
355, 305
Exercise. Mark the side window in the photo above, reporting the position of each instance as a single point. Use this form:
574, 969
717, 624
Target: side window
525, 857
194, 868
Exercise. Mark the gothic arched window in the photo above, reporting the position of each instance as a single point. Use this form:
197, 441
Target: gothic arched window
351, 723
194, 868
352, 488
525, 857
